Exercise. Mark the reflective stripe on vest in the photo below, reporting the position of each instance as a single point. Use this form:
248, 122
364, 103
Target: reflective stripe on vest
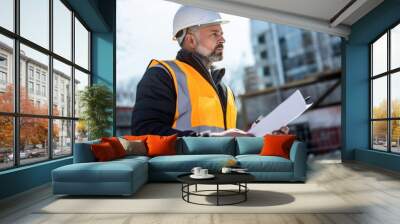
231, 110
206, 114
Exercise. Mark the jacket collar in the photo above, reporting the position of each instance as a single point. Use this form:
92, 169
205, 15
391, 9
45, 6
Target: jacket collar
196, 61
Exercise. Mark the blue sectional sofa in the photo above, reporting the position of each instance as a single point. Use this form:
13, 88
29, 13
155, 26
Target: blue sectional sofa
125, 176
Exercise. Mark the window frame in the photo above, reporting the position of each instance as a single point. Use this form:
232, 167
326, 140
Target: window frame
388, 74
16, 114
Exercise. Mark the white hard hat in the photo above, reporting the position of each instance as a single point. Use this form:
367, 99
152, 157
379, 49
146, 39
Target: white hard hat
188, 16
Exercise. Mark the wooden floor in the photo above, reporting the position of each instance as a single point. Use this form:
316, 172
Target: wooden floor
377, 188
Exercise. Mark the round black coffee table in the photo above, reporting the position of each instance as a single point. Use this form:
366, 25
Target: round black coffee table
238, 179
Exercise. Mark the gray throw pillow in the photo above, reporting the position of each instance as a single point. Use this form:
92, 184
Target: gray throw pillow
135, 147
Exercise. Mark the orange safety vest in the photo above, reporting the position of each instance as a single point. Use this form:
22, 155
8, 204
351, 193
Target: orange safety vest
198, 106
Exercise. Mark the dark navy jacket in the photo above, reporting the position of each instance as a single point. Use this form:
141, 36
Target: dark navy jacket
154, 110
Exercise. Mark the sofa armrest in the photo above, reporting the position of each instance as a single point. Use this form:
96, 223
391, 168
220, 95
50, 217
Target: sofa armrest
83, 152
298, 155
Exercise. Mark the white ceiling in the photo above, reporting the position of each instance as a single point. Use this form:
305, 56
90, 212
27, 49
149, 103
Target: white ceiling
316, 15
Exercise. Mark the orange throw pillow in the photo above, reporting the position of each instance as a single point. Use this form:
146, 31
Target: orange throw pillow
103, 151
277, 145
161, 145
116, 145
136, 137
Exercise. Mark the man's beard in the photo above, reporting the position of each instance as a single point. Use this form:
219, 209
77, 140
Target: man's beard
212, 56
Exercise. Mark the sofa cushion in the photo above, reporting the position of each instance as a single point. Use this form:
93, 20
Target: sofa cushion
206, 145
111, 171
103, 152
185, 163
116, 145
136, 137
277, 145
134, 147
83, 153
257, 163
131, 158
161, 145
249, 145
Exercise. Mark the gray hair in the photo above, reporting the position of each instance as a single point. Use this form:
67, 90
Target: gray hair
180, 36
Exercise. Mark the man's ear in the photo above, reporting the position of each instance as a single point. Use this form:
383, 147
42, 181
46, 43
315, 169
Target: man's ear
191, 41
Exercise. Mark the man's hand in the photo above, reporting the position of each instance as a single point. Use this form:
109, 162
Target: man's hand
233, 132
282, 130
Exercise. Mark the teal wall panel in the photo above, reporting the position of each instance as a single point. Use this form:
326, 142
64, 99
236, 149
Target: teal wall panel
356, 100
102, 58
24, 178
380, 159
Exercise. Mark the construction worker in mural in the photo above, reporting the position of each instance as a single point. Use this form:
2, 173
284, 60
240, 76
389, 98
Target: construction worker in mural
185, 96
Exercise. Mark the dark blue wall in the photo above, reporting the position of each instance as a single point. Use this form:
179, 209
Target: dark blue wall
99, 16
355, 109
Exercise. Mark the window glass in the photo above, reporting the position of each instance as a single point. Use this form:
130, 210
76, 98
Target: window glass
395, 95
81, 45
33, 140
81, 81
81, 131
62, 29
379, 135
395, 136
379, 56
6, 142
30, 58
379, 98
62, 138
395, 47
6, 74
62, 91
34, 20
7, 14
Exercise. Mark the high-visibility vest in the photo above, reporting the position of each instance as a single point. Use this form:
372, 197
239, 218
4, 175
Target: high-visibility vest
198, 106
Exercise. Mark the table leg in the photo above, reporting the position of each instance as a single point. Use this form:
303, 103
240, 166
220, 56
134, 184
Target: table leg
217, 194
188, 189
245, 193
196, 187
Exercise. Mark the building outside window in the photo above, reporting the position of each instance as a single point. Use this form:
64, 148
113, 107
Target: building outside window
3, 78
30, 87
263, 54
266, 71
261, 39
3, 71
30, 72
55, 96
43, 90
37, 74
3, 61
38, 89
43, 77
